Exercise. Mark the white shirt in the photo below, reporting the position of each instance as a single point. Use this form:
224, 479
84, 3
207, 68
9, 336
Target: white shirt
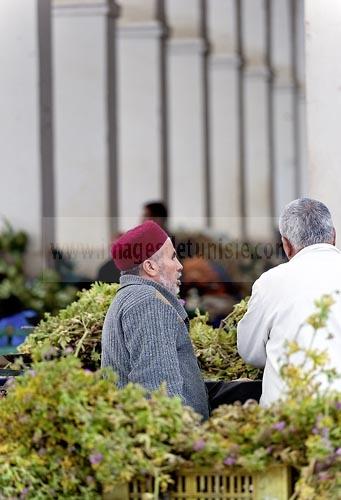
282, 299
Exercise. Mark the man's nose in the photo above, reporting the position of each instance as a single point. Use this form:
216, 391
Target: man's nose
180, 266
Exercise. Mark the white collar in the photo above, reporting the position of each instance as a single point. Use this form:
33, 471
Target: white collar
316, 248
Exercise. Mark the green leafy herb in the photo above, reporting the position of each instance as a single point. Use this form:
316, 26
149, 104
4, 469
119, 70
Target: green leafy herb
77, 328
216, 348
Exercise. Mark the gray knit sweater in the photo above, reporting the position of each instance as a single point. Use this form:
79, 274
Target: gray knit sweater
145, 339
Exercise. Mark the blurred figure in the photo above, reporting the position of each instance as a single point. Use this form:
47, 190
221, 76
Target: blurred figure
155, 211
108, 272
208, 287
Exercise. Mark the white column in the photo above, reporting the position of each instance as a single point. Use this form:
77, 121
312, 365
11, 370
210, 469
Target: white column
283, 88
20, 196
186, 127
257, 168
225, 172
139, 101
301, 80
323, 80
81, 130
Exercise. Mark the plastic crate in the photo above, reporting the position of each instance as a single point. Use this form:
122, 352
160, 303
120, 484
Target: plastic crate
205, 484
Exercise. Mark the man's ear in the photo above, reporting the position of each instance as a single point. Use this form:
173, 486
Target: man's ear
334, 237
288, 248
150, 268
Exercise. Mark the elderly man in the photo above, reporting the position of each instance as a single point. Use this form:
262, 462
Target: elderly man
283, 297
146, 330
145, 337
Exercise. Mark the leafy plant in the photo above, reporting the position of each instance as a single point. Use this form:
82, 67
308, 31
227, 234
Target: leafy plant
77, 328
17, 292
303, 430
230, 323
67, 432
216, 348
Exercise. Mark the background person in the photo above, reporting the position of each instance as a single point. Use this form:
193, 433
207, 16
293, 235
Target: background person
156, 211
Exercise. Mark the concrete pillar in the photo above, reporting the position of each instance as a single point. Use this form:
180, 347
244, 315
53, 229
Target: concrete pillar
301, 98
20, 189
323, 80
257, 167
139, 114
283, 99
223, 74
186, 115
80, 44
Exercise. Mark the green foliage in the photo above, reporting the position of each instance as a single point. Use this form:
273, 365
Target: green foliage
303, 430
13, 242
70, 433
230, 323
77, 328
216, 348
43, 293
67, 432
304, 434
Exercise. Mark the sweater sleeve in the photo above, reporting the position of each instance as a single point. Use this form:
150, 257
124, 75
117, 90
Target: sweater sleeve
254, 329
150, 329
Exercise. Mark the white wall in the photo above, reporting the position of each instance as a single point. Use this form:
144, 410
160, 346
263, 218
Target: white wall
20, 189
257, 166
80, 120
323, 76
139, 119
301, 80
186, 115
223, 73
284, 91
81, 130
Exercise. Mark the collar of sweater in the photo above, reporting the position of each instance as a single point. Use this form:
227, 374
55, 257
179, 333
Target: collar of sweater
130, 279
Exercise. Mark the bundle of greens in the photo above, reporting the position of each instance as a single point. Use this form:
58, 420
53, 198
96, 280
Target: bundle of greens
77, 328
216, 348
231, 321
303, 430
67, 432
304, 434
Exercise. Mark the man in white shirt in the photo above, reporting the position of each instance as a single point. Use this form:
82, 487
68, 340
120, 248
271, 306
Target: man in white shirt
283, 297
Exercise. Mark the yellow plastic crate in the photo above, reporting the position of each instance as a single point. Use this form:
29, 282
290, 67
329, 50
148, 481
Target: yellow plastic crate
205, 484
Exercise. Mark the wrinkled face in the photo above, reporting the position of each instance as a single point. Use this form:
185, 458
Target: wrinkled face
169, 267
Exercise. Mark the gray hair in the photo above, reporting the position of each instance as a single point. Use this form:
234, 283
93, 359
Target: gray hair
306, 222
137, 270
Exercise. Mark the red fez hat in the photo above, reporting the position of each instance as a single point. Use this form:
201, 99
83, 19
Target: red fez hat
137, 245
